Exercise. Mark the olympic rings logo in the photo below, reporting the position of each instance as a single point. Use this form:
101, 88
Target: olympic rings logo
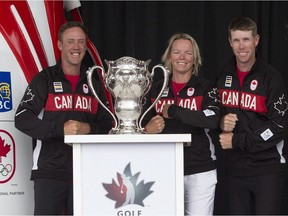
5, 170
7, 157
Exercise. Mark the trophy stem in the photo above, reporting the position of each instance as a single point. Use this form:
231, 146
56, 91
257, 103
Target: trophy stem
127, 127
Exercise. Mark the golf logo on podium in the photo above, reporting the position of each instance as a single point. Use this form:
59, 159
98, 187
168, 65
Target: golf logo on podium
127, 191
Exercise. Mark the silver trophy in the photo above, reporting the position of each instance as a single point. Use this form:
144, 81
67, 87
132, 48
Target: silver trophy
128, 80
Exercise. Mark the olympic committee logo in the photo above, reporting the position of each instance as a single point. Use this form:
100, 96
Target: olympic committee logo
7, 156
5, 92
127, 191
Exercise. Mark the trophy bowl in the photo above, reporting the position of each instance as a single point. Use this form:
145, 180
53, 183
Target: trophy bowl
128, 80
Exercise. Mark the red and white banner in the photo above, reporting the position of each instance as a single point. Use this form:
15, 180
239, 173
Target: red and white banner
28, 44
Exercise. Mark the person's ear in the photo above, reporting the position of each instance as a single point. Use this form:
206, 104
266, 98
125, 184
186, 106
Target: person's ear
257, 39
60, 45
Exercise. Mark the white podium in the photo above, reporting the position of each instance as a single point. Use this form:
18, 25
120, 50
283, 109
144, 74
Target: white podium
128, 175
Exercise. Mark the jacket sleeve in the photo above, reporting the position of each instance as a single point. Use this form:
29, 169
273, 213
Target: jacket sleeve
28, 114
207, 117
271, 131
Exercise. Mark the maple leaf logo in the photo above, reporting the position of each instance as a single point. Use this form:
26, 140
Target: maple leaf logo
214, 95
127, 191
4, 149
29, 94
281, 105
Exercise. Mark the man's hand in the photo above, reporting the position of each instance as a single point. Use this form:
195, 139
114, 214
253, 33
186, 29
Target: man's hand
155, 125
228, 122
225, 140
73, 127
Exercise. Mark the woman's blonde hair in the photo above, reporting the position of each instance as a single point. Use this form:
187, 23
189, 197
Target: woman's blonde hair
196, 52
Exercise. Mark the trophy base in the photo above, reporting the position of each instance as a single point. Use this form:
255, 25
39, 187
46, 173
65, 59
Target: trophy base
127, 131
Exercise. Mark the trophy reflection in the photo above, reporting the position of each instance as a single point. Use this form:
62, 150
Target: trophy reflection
128, 80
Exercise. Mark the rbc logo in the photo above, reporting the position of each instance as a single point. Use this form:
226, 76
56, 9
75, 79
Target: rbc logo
5, 92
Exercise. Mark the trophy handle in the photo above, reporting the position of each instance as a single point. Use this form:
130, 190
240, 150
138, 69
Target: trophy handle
165, 83
90, 84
